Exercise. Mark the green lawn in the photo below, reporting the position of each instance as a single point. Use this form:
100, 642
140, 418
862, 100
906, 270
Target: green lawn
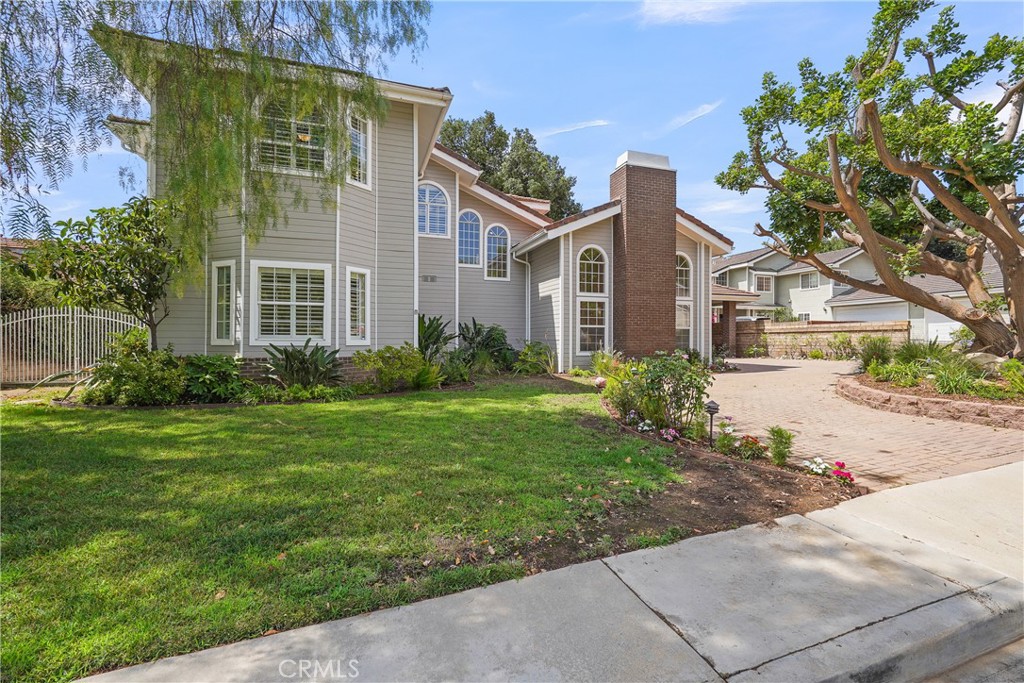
133, 535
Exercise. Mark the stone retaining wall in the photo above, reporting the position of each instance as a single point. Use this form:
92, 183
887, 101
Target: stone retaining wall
988, 414
797, 340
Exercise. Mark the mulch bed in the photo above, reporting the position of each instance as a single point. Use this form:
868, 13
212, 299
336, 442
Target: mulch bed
925, 390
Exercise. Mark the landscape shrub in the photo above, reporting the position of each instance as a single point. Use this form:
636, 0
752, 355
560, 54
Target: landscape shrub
481, 342
962, 337
1013, 372
130, 374
536, 358
725, 442
902, 374
954, 378
580, 372
433, 337
395, 367
212, 379
668, 390
430, 376
303, 366
780, 445
751, 448
923, 352
254, 393
841, 346
816, 354
874, 349
454, 368
604, 362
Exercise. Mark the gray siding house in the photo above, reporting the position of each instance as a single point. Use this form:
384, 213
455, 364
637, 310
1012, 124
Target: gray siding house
414, 231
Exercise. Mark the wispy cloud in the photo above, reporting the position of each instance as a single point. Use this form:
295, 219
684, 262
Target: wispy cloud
684, 119
596, 123
659, 12
488, 90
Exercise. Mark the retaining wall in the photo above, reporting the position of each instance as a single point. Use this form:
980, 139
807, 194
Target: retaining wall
797, 340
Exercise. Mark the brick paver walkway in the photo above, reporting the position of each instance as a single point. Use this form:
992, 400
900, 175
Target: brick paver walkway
883, 449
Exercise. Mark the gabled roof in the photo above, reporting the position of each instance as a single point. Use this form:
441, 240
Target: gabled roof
933, 284
703, 226
739, 258
723, 293
568, 224
829, 258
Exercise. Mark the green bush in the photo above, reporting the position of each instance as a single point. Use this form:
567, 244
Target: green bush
132, 375
580, 372
395, 367
604, 362
780, 445
536, 358
906, 374
433, 337
751, 448
992, 391
962, 337
874, 349
667, 389
212, 379
923, 352
486, 347
455, 368
841, 346
272, 393
816, 354
1013, 372
430, 376
303, 366
954, 378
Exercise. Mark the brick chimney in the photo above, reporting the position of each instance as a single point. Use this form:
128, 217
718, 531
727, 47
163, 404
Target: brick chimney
644, 258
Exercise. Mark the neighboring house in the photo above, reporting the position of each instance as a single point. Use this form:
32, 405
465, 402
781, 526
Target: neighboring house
416, 232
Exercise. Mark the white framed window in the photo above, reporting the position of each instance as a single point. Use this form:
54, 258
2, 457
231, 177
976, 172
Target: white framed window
683, 325
222, 302
357, 306
432, 211
469, 239
290, 302
359, 158
682, 276
763, 283
497, 253
592, 325
592, 271
722, 279
289, 142
809, 280
803, 317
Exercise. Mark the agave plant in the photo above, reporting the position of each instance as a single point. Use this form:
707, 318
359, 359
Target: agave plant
82, 378
303, 366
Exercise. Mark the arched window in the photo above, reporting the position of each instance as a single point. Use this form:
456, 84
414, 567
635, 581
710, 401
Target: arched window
469, 239
591, 271
497, 253
432, 214
682, 276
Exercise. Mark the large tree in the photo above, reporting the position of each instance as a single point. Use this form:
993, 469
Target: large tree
64, 63
512, 163
893, 155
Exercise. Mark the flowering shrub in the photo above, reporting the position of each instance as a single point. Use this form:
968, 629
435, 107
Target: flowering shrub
666, 389
751, 448
726, 440
823, 469
645, 426
669, 435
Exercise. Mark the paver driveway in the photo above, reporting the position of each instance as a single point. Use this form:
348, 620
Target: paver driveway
883, 449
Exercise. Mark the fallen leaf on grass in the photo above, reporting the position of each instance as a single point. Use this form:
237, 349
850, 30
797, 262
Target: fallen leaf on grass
220, 595
490, 549
282, 556
270, 631
426, 563
630, 459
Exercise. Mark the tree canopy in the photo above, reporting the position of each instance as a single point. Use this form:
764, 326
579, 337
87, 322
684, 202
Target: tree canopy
892, 154
512, 163
67, 64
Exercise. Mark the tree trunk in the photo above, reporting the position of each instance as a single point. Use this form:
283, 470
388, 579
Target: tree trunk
151, 324
991, 337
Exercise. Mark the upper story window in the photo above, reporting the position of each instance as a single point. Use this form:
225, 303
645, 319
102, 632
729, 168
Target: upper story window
762, 283
682, 276
469, 239
290, 142
722, 279
592, 271
359, 161
432, 211
497, 253
809, 280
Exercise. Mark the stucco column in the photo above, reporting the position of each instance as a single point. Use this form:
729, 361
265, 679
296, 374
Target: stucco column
729, 326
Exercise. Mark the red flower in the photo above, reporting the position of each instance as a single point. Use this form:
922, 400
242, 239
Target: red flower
840, 465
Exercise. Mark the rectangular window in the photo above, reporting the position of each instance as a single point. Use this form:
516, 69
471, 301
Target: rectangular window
803, 317
357, 331
592, 325
359, 163
809, 280
763, 283
683, 326
722, 279
290, 302
222, 302
289, 143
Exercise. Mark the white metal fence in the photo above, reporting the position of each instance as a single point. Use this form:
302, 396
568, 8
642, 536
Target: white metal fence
40, 342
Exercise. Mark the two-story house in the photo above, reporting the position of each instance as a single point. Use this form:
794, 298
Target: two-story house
414, 231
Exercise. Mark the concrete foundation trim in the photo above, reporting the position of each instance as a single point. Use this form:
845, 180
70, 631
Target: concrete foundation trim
1006, 417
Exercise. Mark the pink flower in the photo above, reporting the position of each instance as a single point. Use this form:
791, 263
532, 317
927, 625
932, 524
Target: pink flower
840, 465
600, 382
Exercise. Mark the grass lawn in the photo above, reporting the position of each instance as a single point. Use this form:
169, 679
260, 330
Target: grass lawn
133, 535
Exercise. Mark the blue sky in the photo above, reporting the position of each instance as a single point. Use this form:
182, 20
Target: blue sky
591, 80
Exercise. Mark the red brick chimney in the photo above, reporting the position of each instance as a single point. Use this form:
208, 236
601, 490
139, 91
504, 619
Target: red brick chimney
644, 258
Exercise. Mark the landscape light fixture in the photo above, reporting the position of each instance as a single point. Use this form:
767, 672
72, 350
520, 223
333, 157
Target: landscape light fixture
712, 409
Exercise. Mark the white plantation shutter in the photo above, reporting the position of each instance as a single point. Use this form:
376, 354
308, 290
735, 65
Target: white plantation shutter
291, 302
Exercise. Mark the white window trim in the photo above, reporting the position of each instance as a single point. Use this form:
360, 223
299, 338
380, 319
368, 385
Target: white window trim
810, 289
675, 287
448, 212
368, 185
579, 337
508, 254
801, 319
254, 308
771, 284
349, 339
291, 170
214, 341
688, 303
483, 236
607, 269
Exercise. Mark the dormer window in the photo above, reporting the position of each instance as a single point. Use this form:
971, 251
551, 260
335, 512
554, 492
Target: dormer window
291, 142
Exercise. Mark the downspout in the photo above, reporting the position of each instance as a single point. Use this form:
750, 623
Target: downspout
561, 301
529, 292
572, 303
415, 227
241, 279
458, 212
206, 295
338, 291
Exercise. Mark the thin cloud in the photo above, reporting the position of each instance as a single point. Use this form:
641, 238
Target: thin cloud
488, 90
686, 118
596, 123
661, 12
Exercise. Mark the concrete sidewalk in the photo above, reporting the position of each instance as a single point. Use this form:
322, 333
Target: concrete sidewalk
899, 585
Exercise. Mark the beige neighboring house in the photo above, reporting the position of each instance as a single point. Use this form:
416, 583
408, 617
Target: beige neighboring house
416, 232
